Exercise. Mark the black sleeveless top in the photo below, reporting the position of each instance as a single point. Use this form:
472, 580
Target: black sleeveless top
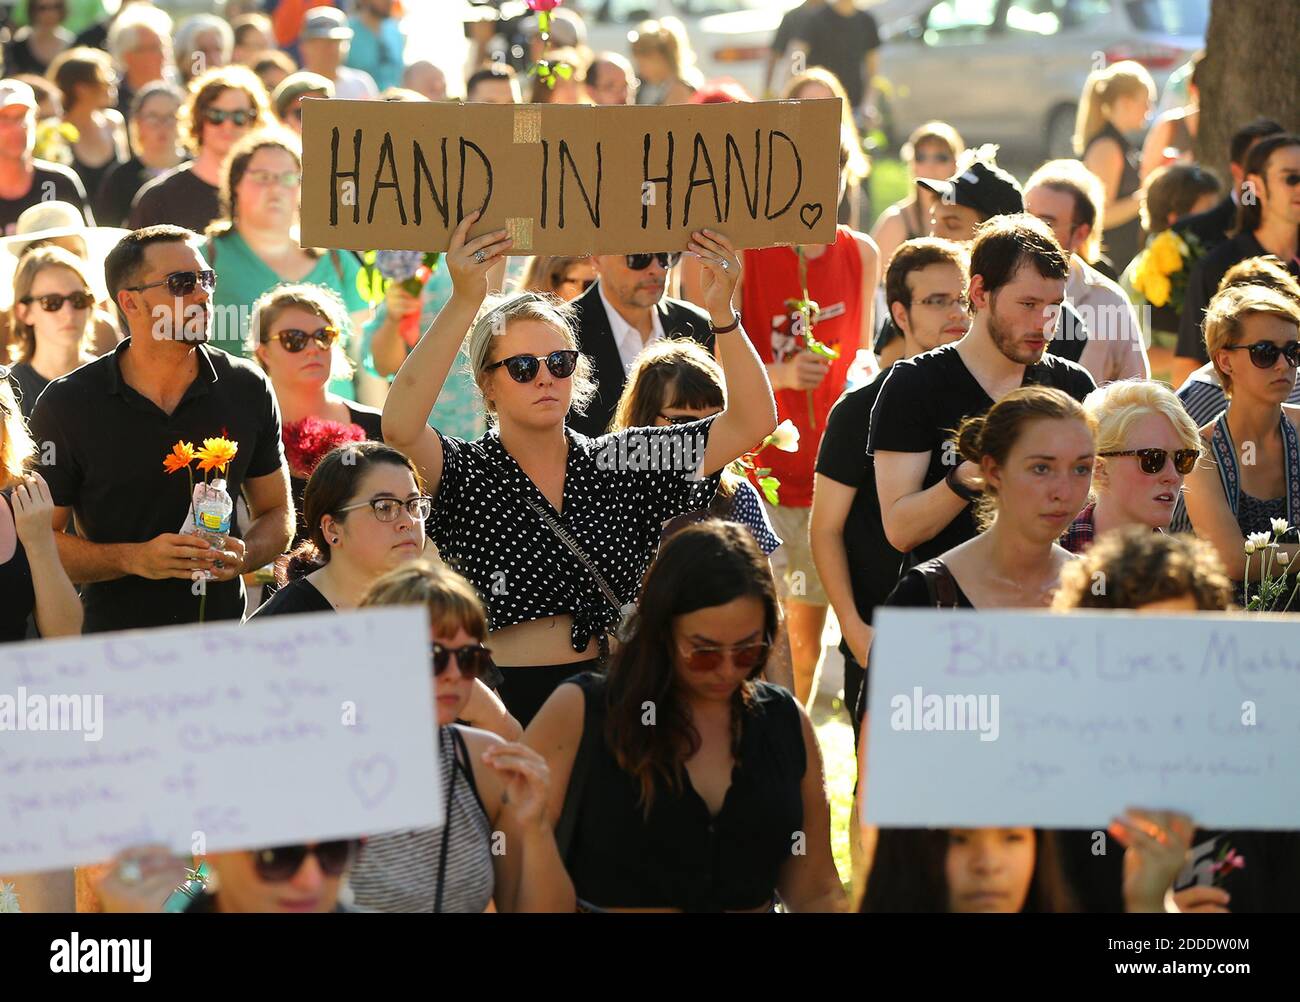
680, 857
16, 587
1121, 243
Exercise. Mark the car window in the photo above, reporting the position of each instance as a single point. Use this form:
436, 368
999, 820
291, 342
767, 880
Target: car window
960, 22
1171, 17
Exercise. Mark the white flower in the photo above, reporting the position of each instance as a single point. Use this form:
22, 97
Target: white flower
1283, 557
1260, 539
1279, 525
1250, 548
786, 437
8, 899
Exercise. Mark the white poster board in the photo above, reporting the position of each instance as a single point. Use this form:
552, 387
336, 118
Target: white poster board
1011, 719
289, 729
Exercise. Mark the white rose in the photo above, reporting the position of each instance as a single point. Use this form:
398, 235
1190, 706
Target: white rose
786, 437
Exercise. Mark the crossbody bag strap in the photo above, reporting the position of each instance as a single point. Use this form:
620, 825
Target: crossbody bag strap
563, 536
939, 583
456, 745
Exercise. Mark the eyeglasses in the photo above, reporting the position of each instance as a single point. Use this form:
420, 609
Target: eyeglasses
277, 865
640, 262
386, 509
746, 657
240, 116
524, 368
1290, 179
155, 120
53, 302
932, 158
472, 661
182, 283
266, 178
1264, 353
1152, 461
294, 341
941, 302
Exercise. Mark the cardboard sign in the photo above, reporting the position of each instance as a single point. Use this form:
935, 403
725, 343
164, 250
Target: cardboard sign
1013, 719
289, 729
569, 179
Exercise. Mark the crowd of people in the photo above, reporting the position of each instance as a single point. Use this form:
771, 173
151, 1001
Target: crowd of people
990, 398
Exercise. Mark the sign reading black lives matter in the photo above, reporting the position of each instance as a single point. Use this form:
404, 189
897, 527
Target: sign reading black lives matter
569, 179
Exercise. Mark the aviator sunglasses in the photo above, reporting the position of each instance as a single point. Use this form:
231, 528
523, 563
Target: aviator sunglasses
524, 368
182, 283
1152, 461
280, 864
640, 262
1264, 353
745, 657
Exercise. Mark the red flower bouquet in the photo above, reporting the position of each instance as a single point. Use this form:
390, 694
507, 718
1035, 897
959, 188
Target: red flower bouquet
307, 441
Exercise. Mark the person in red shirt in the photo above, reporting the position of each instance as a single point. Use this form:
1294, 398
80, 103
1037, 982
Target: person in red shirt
841, 279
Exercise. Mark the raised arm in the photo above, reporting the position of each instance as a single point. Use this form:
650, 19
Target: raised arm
418, 382
913, 515
750, 415
58, 606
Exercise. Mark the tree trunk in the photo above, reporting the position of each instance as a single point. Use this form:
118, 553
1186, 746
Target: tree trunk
1251, 70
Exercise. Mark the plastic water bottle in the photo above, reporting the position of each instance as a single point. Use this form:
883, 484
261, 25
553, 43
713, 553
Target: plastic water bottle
213, 508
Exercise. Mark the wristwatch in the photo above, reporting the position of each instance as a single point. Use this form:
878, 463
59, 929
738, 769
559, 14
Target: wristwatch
957, 487
735, 322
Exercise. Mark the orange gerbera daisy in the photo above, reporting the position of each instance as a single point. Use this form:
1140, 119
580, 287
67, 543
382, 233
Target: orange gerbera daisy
216, 454
180, 457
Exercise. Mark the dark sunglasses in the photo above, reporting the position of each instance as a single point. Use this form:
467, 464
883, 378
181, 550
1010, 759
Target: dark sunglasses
746, 658
1264, 353
1290, 179
280, 864
1152, 461
182, 283
239, 116
586, 283
472, 661
640, 262
53, 302
680, 418
524, 368
294, 341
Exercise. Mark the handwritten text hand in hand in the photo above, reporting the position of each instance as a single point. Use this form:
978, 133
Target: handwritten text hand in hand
469, 261
1156, 846
527, 780
719, 273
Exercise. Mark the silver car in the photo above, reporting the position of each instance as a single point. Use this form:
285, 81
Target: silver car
1012, 71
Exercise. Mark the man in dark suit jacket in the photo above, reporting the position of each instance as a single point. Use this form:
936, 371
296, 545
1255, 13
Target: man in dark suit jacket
1212, 226
622, 312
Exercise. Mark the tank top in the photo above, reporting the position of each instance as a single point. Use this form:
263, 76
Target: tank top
835, 284
398, 871
1122, 242
680, 856
15, 585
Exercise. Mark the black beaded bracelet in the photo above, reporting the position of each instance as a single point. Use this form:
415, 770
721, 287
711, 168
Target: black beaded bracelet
735, 322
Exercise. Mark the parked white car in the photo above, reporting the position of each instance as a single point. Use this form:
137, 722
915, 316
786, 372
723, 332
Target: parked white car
1011, 71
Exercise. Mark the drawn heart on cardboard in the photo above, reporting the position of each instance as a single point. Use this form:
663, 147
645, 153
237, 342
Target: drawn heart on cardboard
810, 213
372, 779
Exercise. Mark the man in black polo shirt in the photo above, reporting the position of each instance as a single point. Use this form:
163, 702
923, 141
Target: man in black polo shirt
925, 286
106, 427
1017, 284
1268, 222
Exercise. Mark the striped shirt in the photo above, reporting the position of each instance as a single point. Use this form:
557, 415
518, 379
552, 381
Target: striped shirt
398, 871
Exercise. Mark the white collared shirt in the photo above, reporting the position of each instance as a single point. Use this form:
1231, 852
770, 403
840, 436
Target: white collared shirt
626, 337
1115, 348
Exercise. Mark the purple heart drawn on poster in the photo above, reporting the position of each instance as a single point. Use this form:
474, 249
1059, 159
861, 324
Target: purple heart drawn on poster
372, 778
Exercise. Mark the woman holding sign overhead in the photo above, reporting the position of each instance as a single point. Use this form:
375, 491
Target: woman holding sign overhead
555, 529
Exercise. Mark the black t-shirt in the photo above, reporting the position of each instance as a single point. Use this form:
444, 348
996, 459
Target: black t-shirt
791, 28
112, 202
873, 563
841, 44
912, 592
924, 400
297, 596
107, 444
179, 198
50, 183
1203, 283
27, 384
